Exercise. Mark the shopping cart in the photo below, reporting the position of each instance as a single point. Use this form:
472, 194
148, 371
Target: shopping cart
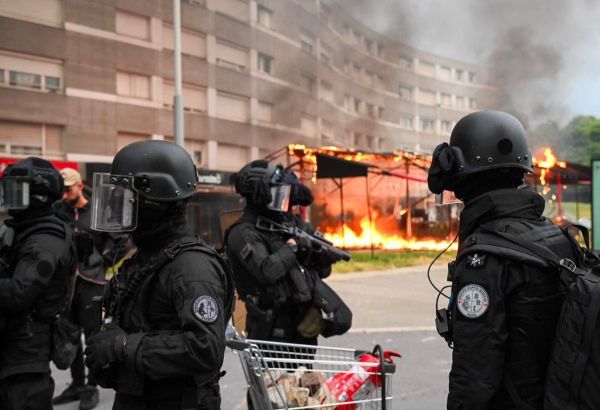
294, 376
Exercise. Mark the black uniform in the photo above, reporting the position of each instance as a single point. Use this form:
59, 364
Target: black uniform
263, 265
96, 252
175, 320
34, 285
505, 312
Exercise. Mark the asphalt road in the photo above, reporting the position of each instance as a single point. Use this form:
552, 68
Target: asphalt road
393, 308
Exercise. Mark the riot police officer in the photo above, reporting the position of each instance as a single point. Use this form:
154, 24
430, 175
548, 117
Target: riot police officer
505, 304
268, 264
38, 263
163, 341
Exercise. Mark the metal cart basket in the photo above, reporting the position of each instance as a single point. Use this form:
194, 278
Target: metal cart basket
294, 376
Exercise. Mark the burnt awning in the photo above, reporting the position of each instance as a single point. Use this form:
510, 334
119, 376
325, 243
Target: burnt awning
333, 167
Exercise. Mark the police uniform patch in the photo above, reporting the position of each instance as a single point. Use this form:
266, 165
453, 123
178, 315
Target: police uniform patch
206, 309
476, 260
246, 251
473, 301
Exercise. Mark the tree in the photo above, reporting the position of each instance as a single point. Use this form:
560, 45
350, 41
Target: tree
581, 139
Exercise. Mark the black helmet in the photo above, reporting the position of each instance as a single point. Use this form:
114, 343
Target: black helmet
263, 185
481, 141
40, 177
162, 171
156, 174
490, 139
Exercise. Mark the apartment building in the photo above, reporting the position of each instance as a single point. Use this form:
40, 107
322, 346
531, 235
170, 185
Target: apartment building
79, 79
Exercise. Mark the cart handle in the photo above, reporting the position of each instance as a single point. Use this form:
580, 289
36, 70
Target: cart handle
237, 344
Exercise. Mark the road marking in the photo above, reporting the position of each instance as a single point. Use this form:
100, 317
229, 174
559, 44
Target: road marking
392, 329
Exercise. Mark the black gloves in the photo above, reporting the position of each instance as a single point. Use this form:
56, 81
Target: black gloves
105, 348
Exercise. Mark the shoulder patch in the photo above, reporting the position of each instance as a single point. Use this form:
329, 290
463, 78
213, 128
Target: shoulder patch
476, 261
246, 251
206, 309
473, 301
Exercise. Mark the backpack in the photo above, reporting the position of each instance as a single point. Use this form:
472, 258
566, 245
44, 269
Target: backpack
573, 376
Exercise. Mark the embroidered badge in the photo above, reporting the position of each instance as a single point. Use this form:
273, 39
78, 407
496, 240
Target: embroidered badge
473, 301
246, 251
206, 309
476, 260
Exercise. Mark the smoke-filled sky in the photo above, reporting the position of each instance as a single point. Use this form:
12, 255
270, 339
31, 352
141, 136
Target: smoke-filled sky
544, 53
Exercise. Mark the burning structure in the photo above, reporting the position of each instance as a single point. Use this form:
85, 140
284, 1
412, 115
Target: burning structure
381, 201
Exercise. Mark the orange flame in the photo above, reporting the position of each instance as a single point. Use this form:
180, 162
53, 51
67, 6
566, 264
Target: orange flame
353, 240
549, 160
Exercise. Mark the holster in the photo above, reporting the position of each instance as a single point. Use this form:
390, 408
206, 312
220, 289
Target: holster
259, 323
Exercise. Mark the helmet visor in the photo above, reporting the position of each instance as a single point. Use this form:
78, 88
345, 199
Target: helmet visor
280, 195
114, 203
14, 193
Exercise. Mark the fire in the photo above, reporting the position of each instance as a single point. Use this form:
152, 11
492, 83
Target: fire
350, 239
549, 161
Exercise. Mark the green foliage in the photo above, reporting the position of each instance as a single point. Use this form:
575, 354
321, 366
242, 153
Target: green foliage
578, 141
362, 261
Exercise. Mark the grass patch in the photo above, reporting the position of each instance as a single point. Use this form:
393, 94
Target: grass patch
363, 261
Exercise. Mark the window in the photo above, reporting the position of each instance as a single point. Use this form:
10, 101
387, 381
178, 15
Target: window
369, 45
426, 68
231, 56
406, 122
265, 111
133, 85
445, 73
404, 62
52, 83
30, 72
308, 124
327, 92
472, 103
405, 92
359, 140
356, 37
307, 83
325, 53
307, 43
132, 25
348, 137
194, 98
379, 50
236, 9
460, 75
378, 81
232, 107
193, 43
368, 77
446, 126
380, 112
426, 97
372, 110
356, 72
460, 102
374, 143
358, 105
49, 12
427, 125
446, 100
264, 16
327, 130
472, 77
265, 63
28, 80
24, 138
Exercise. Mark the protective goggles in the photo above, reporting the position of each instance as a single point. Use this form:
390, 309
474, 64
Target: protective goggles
14, 193
114, 203
280, 198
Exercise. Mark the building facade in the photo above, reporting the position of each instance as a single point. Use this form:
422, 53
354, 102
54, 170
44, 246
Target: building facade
79, 79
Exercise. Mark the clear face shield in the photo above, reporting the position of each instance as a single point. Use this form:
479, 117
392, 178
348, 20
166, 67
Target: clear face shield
14, 193
114, 203
280, 195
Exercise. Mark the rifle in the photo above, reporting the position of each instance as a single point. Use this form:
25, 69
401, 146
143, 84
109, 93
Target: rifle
316, 239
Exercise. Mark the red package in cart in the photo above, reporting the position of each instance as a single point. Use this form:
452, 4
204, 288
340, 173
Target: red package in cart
359, 381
